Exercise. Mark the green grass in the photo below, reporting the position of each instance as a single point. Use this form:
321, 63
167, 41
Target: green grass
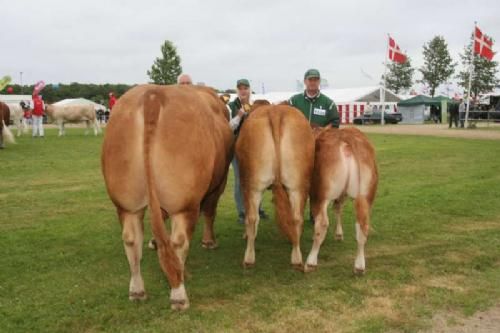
434, 247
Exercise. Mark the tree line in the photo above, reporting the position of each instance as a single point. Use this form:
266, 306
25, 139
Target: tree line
439, 68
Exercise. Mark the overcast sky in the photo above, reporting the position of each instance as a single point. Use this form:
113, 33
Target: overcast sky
274, 42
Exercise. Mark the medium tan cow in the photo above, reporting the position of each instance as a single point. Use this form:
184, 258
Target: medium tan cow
344, 166
275, 147
61, 114
17, 116
168, 147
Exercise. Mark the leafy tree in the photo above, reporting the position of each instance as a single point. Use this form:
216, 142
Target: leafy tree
166, 68
399, 76
484, 75
438, 66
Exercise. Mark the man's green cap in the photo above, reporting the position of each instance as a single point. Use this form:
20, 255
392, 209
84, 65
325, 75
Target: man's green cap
312, 73
243, 82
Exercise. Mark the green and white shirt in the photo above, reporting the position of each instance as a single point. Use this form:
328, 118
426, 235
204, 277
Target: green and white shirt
319, 110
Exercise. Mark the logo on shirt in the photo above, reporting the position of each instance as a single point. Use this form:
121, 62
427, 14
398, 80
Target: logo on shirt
319, 112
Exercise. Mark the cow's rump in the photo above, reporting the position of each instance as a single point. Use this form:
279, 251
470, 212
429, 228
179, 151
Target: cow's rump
168, 147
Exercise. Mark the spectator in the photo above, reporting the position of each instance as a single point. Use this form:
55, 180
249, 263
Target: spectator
453, 110
112, 101
37, 116
238, 112
184, 79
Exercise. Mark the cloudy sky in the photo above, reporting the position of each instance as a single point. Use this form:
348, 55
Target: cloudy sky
270, 42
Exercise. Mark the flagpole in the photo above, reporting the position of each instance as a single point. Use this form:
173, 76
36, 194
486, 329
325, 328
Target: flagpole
382, 91
471, 71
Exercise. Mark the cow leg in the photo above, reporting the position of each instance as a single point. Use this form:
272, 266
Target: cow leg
182, 231
133, 235
87, 129
61, 128
297, 203
252, 202
19, 127
97, 129
362, 208
209, 209
321, 223
338, 207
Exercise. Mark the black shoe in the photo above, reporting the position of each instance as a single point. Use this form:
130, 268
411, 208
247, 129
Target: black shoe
263, 215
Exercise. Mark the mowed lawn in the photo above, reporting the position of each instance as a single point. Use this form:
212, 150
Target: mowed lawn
434, 249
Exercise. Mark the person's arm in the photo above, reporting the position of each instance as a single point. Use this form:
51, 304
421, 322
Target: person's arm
236, 120
334, 118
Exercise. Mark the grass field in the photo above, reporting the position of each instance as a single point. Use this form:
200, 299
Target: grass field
434, 248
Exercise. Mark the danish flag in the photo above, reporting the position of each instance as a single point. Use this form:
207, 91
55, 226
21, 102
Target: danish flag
395, 53
483, 45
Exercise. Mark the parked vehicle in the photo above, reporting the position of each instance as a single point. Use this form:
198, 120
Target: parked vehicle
375, 117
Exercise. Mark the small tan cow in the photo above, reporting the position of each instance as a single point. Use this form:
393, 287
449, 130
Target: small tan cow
275, 147
62, 114
344, 166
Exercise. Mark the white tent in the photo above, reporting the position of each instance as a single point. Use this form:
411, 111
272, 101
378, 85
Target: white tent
15, 99
351, 102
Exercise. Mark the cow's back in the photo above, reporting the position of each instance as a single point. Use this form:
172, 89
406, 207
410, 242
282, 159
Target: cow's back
189, 148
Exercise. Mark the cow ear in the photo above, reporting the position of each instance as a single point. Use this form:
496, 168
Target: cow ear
225, 98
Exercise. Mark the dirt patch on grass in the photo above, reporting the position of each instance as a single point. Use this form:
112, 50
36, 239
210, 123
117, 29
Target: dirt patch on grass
434, 130
475, 226
482, 322
452, 282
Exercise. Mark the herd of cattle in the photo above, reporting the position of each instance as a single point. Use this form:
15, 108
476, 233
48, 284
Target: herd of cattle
58, 114
169, 148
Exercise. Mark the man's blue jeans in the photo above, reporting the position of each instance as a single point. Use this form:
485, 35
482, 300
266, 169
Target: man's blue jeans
238, 195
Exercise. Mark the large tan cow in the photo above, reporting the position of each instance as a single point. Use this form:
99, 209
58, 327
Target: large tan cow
5, 133
168, 147
275, 147
62, 114
344, 166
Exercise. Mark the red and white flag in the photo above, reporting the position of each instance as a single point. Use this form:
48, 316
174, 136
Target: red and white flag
395, 53
483, 46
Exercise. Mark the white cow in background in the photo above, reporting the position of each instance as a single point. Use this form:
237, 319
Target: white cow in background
17, 117
62, 114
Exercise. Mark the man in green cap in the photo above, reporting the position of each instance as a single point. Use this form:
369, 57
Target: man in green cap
238, 111
318, 108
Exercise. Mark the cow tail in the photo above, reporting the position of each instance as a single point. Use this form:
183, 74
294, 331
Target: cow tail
169, 261
283, 209
7, 134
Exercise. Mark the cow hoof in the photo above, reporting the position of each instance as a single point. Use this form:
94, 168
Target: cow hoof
248, 264
209, 245
310, 268
152, 245
359, 271
179, 304
339, 238
298, 267
137, 295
